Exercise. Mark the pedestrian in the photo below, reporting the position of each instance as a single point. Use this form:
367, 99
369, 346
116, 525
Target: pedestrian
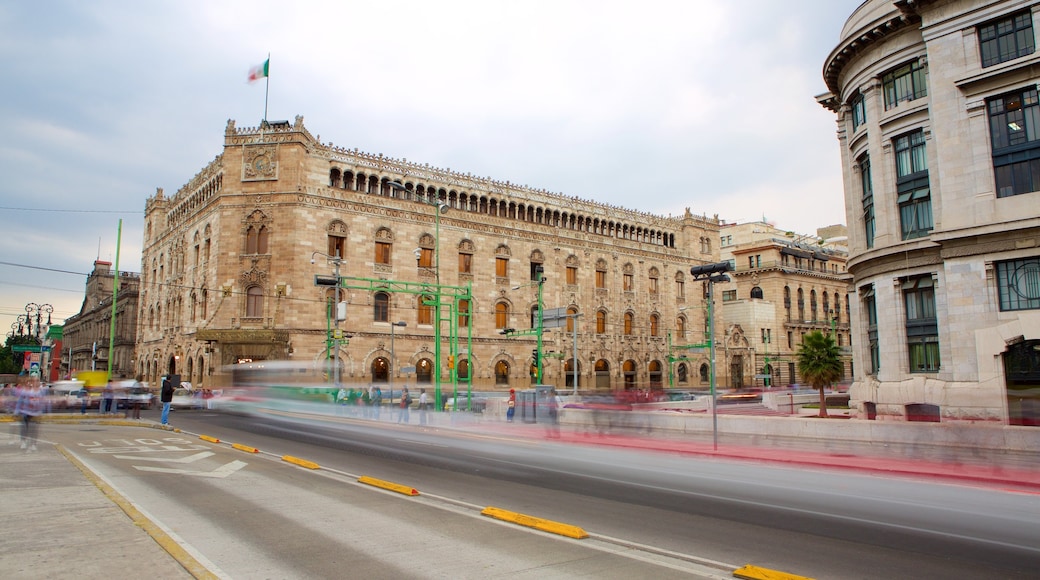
553, 404
166, 397
511, 405
107, 400
366, 402
423, 402
29, 406
406, 402
84, 401
136, 395
377, 402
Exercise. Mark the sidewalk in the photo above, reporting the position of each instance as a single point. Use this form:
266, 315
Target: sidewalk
60, 522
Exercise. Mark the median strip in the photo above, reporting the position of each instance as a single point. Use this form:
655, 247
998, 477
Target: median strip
301, 462
750, 572
536, 523
403, 489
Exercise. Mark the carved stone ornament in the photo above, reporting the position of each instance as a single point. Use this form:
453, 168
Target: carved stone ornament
260, 163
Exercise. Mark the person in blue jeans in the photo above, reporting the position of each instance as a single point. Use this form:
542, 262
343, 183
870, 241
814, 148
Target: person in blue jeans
166, 397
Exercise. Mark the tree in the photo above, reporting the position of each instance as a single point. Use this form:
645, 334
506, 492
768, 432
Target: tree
819, 363
11, 362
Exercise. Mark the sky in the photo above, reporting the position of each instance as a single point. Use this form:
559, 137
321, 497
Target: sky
651, 105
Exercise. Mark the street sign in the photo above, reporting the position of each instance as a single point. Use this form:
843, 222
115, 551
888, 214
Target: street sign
554, 313
320, 280
554, 323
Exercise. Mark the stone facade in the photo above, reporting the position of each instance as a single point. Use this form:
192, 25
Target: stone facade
230, 265
782, 286
937, 116
86, 335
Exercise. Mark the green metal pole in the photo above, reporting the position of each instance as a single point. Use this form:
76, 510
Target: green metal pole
541, 322
437, 306
671, 364
115, 296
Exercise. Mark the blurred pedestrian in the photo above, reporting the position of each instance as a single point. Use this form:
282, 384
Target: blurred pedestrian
107, 400
166, 397
28, 407
553, 404
377, 402
84, 401
406, 402
423, 402
511, 410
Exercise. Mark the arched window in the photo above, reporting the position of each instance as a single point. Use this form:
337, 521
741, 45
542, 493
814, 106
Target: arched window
680, 327
501, 373
380, 370
381, 307
463, 313
572, 314
424, 371
601, 322
756, 292
681, 373
655, 324
628, 370
252, 236
501, 315
254, 302
463, 369
424, 309
629, 319
261, 240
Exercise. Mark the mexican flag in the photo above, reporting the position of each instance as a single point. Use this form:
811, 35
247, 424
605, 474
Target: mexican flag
259, 71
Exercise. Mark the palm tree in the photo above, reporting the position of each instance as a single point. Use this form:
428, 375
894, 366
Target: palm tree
819, 362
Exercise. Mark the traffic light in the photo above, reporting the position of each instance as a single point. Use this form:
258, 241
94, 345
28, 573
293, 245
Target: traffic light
534, 355
451, 361
710, 269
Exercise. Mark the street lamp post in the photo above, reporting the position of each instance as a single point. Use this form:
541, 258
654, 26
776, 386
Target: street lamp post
440, 208
336, 261
539, 324
393, 357
712, 273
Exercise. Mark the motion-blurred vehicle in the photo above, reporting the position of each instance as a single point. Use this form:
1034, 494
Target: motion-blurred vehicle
186, 399
139, 394
741, 396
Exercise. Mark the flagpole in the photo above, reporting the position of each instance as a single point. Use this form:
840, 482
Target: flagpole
267, 86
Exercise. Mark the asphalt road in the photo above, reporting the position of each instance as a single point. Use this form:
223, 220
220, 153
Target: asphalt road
812, 522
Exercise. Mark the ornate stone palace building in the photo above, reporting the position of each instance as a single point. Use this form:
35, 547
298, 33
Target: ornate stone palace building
233, 264
939, 129
86, 335
782, 287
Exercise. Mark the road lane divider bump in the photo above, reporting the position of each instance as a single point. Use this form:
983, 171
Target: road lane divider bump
537, 523
245, 448
749, 572
208, 438
301, 462
403, 489
175, 550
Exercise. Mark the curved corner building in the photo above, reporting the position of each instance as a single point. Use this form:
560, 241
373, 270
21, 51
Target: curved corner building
939, 128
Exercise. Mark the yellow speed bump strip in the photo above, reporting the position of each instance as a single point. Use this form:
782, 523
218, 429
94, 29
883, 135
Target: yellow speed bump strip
208, 438
387, 485
245, 448
756, 573
301, 462
536, 523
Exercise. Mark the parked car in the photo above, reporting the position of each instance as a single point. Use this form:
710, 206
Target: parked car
186, 399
